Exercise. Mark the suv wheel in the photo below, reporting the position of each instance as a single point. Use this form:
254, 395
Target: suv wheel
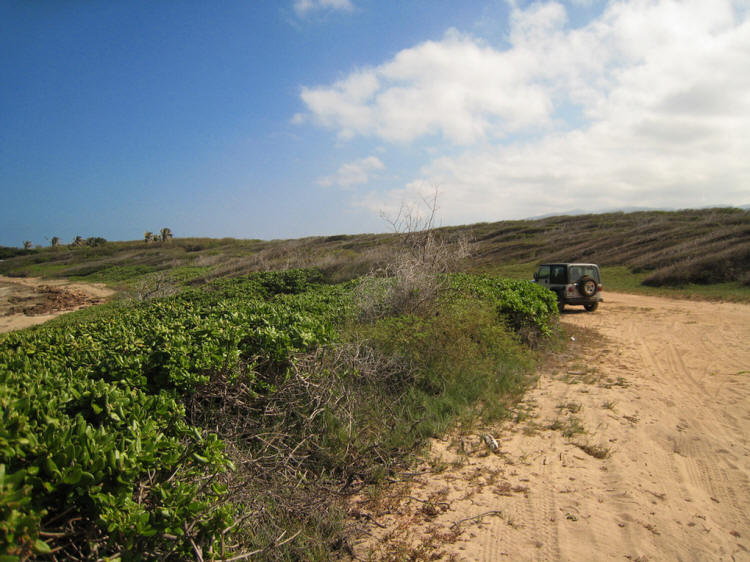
591, 307
587, 286
560, 306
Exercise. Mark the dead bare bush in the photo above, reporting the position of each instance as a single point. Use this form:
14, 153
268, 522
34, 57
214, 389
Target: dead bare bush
288, 427
414, 275
154, 286
300, 448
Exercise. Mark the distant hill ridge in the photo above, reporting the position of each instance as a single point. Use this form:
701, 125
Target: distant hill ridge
693, 246
690, 246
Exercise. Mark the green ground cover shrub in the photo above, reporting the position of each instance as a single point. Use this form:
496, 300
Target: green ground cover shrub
104, 273
528, 308
93, 429
231, 419
462, 362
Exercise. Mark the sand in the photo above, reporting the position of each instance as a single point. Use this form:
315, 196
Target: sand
28, 301
634, 444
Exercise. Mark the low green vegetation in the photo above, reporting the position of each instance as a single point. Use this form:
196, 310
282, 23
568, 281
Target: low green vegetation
233, 418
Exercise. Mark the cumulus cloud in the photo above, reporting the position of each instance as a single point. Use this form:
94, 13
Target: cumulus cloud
457, 88
353, 173
304, 7
648, 104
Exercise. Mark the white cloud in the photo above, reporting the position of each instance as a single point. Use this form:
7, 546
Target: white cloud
305, 7
344, 106
649, 104
458, 88
353, 173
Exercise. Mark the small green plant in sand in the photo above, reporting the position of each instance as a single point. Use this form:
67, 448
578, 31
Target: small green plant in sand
570, 427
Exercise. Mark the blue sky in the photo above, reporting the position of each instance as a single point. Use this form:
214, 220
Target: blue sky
261, 119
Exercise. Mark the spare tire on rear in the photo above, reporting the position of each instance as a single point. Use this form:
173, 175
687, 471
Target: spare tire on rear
587, 286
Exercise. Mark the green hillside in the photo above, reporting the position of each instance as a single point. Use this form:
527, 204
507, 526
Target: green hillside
656, 248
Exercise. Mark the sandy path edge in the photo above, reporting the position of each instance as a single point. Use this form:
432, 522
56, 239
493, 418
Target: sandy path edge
27, 285
662, 387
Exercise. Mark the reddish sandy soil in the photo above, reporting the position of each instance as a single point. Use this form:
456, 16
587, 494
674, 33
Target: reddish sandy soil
27, 301
633, 445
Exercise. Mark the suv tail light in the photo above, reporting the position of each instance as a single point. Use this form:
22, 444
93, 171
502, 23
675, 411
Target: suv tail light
571, 288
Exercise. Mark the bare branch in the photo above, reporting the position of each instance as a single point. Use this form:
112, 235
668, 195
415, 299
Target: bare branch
412, 280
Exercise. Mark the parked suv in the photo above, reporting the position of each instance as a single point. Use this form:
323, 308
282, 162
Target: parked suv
573, 283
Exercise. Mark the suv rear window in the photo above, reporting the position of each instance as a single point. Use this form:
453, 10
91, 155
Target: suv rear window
578, 271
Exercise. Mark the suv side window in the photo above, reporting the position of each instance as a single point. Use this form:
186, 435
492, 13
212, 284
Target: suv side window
543, 273
559, 275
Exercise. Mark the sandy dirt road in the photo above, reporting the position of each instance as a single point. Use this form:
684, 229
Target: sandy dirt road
660, 389
27, 301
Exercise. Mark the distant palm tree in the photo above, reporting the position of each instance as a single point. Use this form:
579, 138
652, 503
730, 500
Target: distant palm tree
78, 241
166, 234
148, 236
27, 244
55, 242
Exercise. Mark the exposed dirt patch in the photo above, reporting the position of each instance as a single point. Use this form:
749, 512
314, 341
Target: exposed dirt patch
47, 300
634, 445
28, 301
